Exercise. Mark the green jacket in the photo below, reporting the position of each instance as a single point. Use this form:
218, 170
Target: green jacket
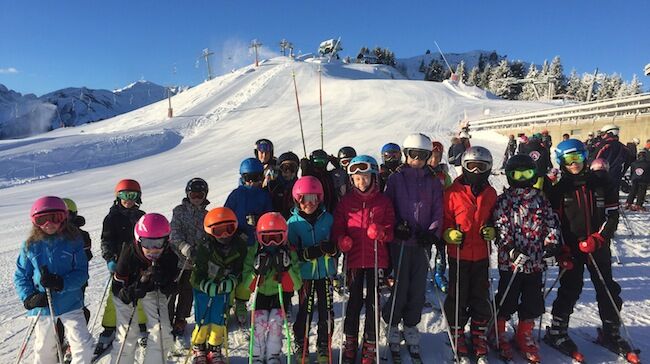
215, 261
268, 284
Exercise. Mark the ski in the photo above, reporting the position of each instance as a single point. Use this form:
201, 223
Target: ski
576, 355
100, 351
395, 354
415, 355
482, 359
630, 356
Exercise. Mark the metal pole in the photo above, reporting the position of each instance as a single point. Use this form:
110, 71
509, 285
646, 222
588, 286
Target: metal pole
50, 304
108, 284
30, 331
302, 133
377, 305
320, 91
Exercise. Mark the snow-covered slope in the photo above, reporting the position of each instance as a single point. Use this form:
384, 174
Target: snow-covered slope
214, 128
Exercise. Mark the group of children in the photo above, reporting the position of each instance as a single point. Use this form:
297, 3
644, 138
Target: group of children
278, 234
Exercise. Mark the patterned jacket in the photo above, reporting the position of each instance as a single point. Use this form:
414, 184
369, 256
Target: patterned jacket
187, 227
525, 220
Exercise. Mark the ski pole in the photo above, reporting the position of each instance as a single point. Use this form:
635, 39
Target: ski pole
101, 303
516, 270
392, 305
442, 309
176, 280
202, 322
345, 301
615, 251
252, 329
30, 331
611, 299
50, 304
377, 304
494, 302
457, 296
126, 335
160, 329
320, 92
286, 324
302, 133
539, 331
226, 315
330, 320
557, 279
626, 221
308, 317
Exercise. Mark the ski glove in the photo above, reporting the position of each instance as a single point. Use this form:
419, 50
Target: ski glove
427, 238
282, 260
551, 250
453, 236
517, 258
309, 253
403, 231
376, 232
345, 243
565, 259
488, 233
186, 249
111, 265
209, 287
227, 285
51, 281
592, 243
36, 299
328, 247
262, 264
251, 220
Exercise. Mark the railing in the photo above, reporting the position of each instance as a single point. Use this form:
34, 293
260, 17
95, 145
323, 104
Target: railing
629, 105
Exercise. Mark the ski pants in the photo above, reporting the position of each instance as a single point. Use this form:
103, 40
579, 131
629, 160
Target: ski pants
321, 292
410, 284
572, 281
80, 340
210, 321
524, 296
155, 307
637, 192
109, 318
267, 329
473, 292
356, 279
181, 310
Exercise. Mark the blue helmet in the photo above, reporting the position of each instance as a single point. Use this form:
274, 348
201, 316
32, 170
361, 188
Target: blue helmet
390, 147
251, 165
569, 146
363, 164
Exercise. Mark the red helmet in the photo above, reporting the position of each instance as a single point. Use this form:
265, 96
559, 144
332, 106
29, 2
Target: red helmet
128, 185
272, 229
437, 147
307, 185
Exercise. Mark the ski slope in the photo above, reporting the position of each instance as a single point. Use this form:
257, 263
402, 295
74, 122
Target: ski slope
215, 127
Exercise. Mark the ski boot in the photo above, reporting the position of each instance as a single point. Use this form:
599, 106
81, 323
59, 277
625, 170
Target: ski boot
323, 354
67, 352
458, 336
298, 346
199, 354
505, 349
368, 351
525, 341
412, 338
479, 340
394, 341
610, 338
439, 278
350, 347
273, 359
214, 355
558, 338
105, 342
241, 312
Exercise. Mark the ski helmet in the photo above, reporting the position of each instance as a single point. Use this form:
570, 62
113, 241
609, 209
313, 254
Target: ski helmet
391, 155
319, 158
390, 147
464, 135
437, 147
271, 229
363, 164
347, 153
636, 141
599, 164
251, 165
48, 205
307, 185
420, 144
521, 171
128, 185
220, 222
151, 233
72, 207
288, 157
196, 184
610, 129
477, 154
263, 145
569, 146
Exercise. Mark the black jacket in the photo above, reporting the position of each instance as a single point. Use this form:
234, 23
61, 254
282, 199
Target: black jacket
455, 153
536, 150
330, 197
640, 171
118, 229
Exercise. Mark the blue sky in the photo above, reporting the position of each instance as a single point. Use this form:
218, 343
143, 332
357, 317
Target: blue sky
47, 45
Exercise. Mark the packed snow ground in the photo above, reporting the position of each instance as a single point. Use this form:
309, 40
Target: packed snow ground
214, 128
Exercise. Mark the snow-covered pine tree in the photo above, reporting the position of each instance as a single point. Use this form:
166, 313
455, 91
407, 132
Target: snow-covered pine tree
517, 70
484, 81
499, 78
435, 72
527, 90
574, 86
635, 85
474, 77
460, 71
556, 71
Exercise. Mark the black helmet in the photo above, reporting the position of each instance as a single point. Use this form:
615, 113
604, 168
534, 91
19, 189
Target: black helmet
319, 158
263, 145
196, 184
521, 162
347, 152
288, 157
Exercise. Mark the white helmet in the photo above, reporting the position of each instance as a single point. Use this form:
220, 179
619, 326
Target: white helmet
464, 134
477, 154
636, 141
610, 128
417, 141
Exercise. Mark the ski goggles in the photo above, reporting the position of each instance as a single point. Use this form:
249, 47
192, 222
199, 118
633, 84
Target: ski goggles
54, 217
196, 195
309, 198
477, 166
392, 155
320, 162
264, 147
289, 167
223, 229
252, 177
573, 157
153, 243
128, 195
362, 167
344, 162
522, 175
272, 238
419, 154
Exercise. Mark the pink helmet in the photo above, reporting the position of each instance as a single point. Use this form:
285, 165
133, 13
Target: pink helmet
599, 164
152, 226
307, 185
47, 204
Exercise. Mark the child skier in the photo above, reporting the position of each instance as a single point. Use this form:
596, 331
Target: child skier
340, 172
316, 166
440, 170
218, 265
270, 268
417, 198
187, 233
264, 153
391, 155
363, 222
117, 230
280, 188
588, 212
309, 235
50, 272
527, 232
145, 274
469, 202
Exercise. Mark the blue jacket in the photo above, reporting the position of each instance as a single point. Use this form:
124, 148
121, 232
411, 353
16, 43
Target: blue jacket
302, 234
246, 201
62, 257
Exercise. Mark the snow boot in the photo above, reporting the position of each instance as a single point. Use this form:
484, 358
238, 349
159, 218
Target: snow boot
368, 351
214, 355
199, 354
558, 338
610, 337
350, 347
479, 337
105, 341
505, 349
525, 341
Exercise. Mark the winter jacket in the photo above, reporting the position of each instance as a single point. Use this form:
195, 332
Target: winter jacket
585, 204
246, 201
268, 284
525, 220
215, 261
384, 172
640, 171
353, 216
341, 181
134, 269
538, 152
118, 229
302, 234
330, 197
61, 256
281, 198
416, 195
616, 154
468, 213
511, 148
455, 153
80, 221
187, 227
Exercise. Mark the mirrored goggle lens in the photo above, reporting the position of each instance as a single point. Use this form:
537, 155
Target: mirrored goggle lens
253, 177
477, 166
289, 167
309, 198
392, 155
223, 230
419, 154
272, 239
573, 158
345, 161
360, 167
51, 217
197, 195
522, 175
321, 162
153, 244
264, 147
128, 195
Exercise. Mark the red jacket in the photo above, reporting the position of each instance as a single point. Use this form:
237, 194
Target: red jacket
470, 213
354, 213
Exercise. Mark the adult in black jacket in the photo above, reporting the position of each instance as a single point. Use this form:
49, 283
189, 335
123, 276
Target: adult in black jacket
511, 149
640, 177
538, 152
616, 154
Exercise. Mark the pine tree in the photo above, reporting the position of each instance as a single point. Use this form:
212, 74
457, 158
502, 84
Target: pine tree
635, 85
499, 80
435, 72
557, 72
484, 81
527, 91
422, 68
460, 71
574, 86
474, 77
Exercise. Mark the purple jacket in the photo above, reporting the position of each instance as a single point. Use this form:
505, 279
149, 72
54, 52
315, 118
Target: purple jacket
417, 198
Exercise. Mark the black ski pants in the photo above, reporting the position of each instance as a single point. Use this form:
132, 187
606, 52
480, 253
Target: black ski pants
320, 293
410, 284
572, 281
182, 309
473, 292
638, 192
356, 279
524, 296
